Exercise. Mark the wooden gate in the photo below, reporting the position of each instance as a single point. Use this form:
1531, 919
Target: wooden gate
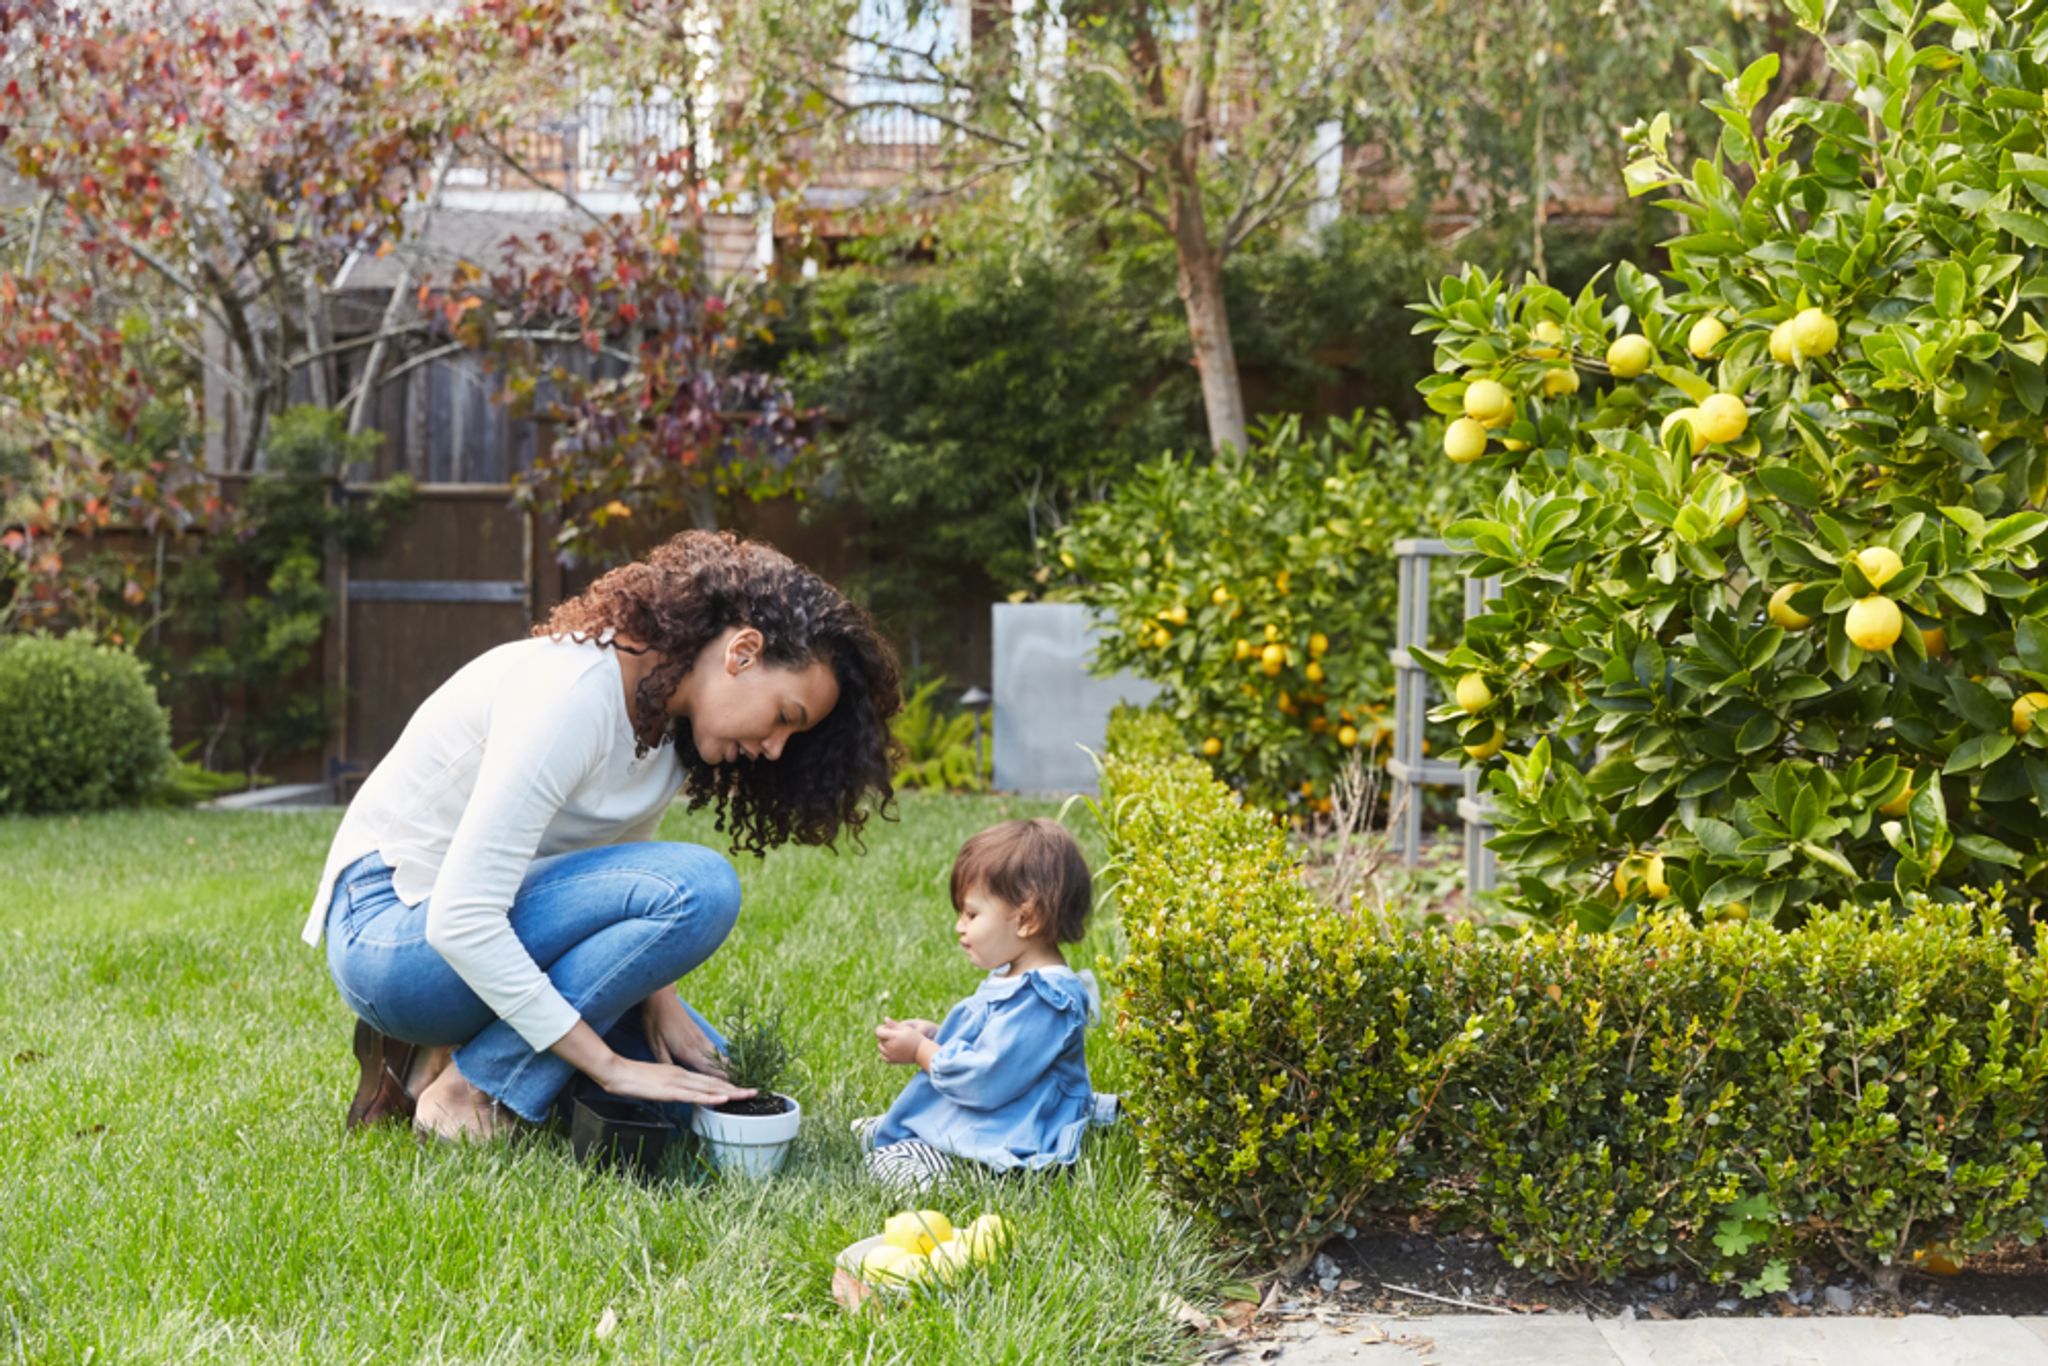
456, 577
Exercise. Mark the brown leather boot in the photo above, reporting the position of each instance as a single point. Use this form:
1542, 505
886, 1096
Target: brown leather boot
380, 1091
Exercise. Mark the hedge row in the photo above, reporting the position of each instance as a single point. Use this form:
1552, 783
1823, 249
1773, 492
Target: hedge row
1733, 1098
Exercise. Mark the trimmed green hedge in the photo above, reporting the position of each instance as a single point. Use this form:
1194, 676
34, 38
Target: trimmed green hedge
1732, 1098
80, 726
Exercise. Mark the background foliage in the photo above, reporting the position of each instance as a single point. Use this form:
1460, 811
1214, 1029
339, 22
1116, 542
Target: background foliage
1656, 708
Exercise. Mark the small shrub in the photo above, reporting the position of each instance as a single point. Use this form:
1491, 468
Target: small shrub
1141, 733
941, 753
80, 727
1258, 588
1731, 1098
757, 1053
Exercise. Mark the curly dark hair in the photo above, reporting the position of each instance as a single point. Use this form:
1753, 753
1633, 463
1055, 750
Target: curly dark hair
679, 599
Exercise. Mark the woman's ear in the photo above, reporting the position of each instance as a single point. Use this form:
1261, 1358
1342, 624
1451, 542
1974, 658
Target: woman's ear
743, 650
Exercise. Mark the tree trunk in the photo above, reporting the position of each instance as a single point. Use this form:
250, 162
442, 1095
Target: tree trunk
1201, 293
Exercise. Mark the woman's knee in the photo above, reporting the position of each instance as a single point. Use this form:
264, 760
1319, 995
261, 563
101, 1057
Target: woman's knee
707, 886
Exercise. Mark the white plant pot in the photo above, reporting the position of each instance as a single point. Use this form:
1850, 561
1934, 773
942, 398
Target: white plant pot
747, 1145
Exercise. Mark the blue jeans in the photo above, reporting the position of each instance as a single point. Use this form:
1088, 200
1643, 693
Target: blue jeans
609, 926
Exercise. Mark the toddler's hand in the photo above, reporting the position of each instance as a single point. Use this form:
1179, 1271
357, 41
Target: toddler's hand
924, 1027
898, 1040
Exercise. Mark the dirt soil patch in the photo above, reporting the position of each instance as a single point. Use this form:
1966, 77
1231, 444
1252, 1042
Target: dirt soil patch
1421, 1273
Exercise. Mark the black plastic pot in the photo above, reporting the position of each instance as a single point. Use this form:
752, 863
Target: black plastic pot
626, 1134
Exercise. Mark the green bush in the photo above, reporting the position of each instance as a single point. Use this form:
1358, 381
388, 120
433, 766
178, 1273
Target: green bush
940, 751
1258, 588
80, 727
1730, 1098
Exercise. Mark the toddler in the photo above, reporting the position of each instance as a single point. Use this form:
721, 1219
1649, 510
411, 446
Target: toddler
1004, 1081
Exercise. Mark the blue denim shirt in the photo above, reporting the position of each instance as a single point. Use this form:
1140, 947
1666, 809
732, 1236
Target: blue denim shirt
1009, 1085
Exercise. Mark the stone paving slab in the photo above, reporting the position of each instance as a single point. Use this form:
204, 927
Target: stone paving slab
1560, 1340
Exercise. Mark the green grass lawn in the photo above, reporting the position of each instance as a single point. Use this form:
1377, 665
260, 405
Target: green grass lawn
174, 1180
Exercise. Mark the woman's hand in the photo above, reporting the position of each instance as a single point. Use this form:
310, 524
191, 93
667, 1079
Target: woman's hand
656, 1081
677, 1038
663, 1082
901, 1040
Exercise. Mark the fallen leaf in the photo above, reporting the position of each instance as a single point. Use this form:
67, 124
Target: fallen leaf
1348, 1285
29, 1055
608, 1324
849, 1290
1189, 1317
1236, 1317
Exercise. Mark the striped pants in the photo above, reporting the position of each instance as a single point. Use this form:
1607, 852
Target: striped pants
906, 1168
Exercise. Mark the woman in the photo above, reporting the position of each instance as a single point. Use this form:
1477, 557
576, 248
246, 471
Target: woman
496, 911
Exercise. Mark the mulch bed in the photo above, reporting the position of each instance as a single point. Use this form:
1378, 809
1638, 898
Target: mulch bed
1461, 1274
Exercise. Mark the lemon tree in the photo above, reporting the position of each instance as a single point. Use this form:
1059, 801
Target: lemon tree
1257, 588
1773, 615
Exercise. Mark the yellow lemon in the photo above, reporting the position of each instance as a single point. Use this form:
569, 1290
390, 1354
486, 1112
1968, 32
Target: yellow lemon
1473, 694
1177, 614
880, 1264
1464, 441
1550, 335
1740, 509
1272, 633
1781, 343
1783, 613
1318, 644
1880, 564
1689, 416
1705, 335
1490, 746
1873, 623
1272, 659
1486, 401
1509, 443
1280, 581
1935, 641
1242, 650
917, 1231
1898, 805
1347, 736
1813, 332
1212, 747
1161, 638
2024, 708
1653, 877
1938, 1259
1723, 417
1220, 596
986, 1238
1560, 381
1629, 356
951, 1262
1734, 910
914, 1269
1314, 672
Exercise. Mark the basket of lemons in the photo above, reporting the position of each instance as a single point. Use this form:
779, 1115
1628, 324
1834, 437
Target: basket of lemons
917, 1250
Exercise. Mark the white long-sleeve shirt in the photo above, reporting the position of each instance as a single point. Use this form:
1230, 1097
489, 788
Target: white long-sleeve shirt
527, 751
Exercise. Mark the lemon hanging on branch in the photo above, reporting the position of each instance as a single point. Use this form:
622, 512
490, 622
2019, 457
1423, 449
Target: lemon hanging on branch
1783, 613
1465, 440
1629, 356
1873, 623
1880, 564
1706, 334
